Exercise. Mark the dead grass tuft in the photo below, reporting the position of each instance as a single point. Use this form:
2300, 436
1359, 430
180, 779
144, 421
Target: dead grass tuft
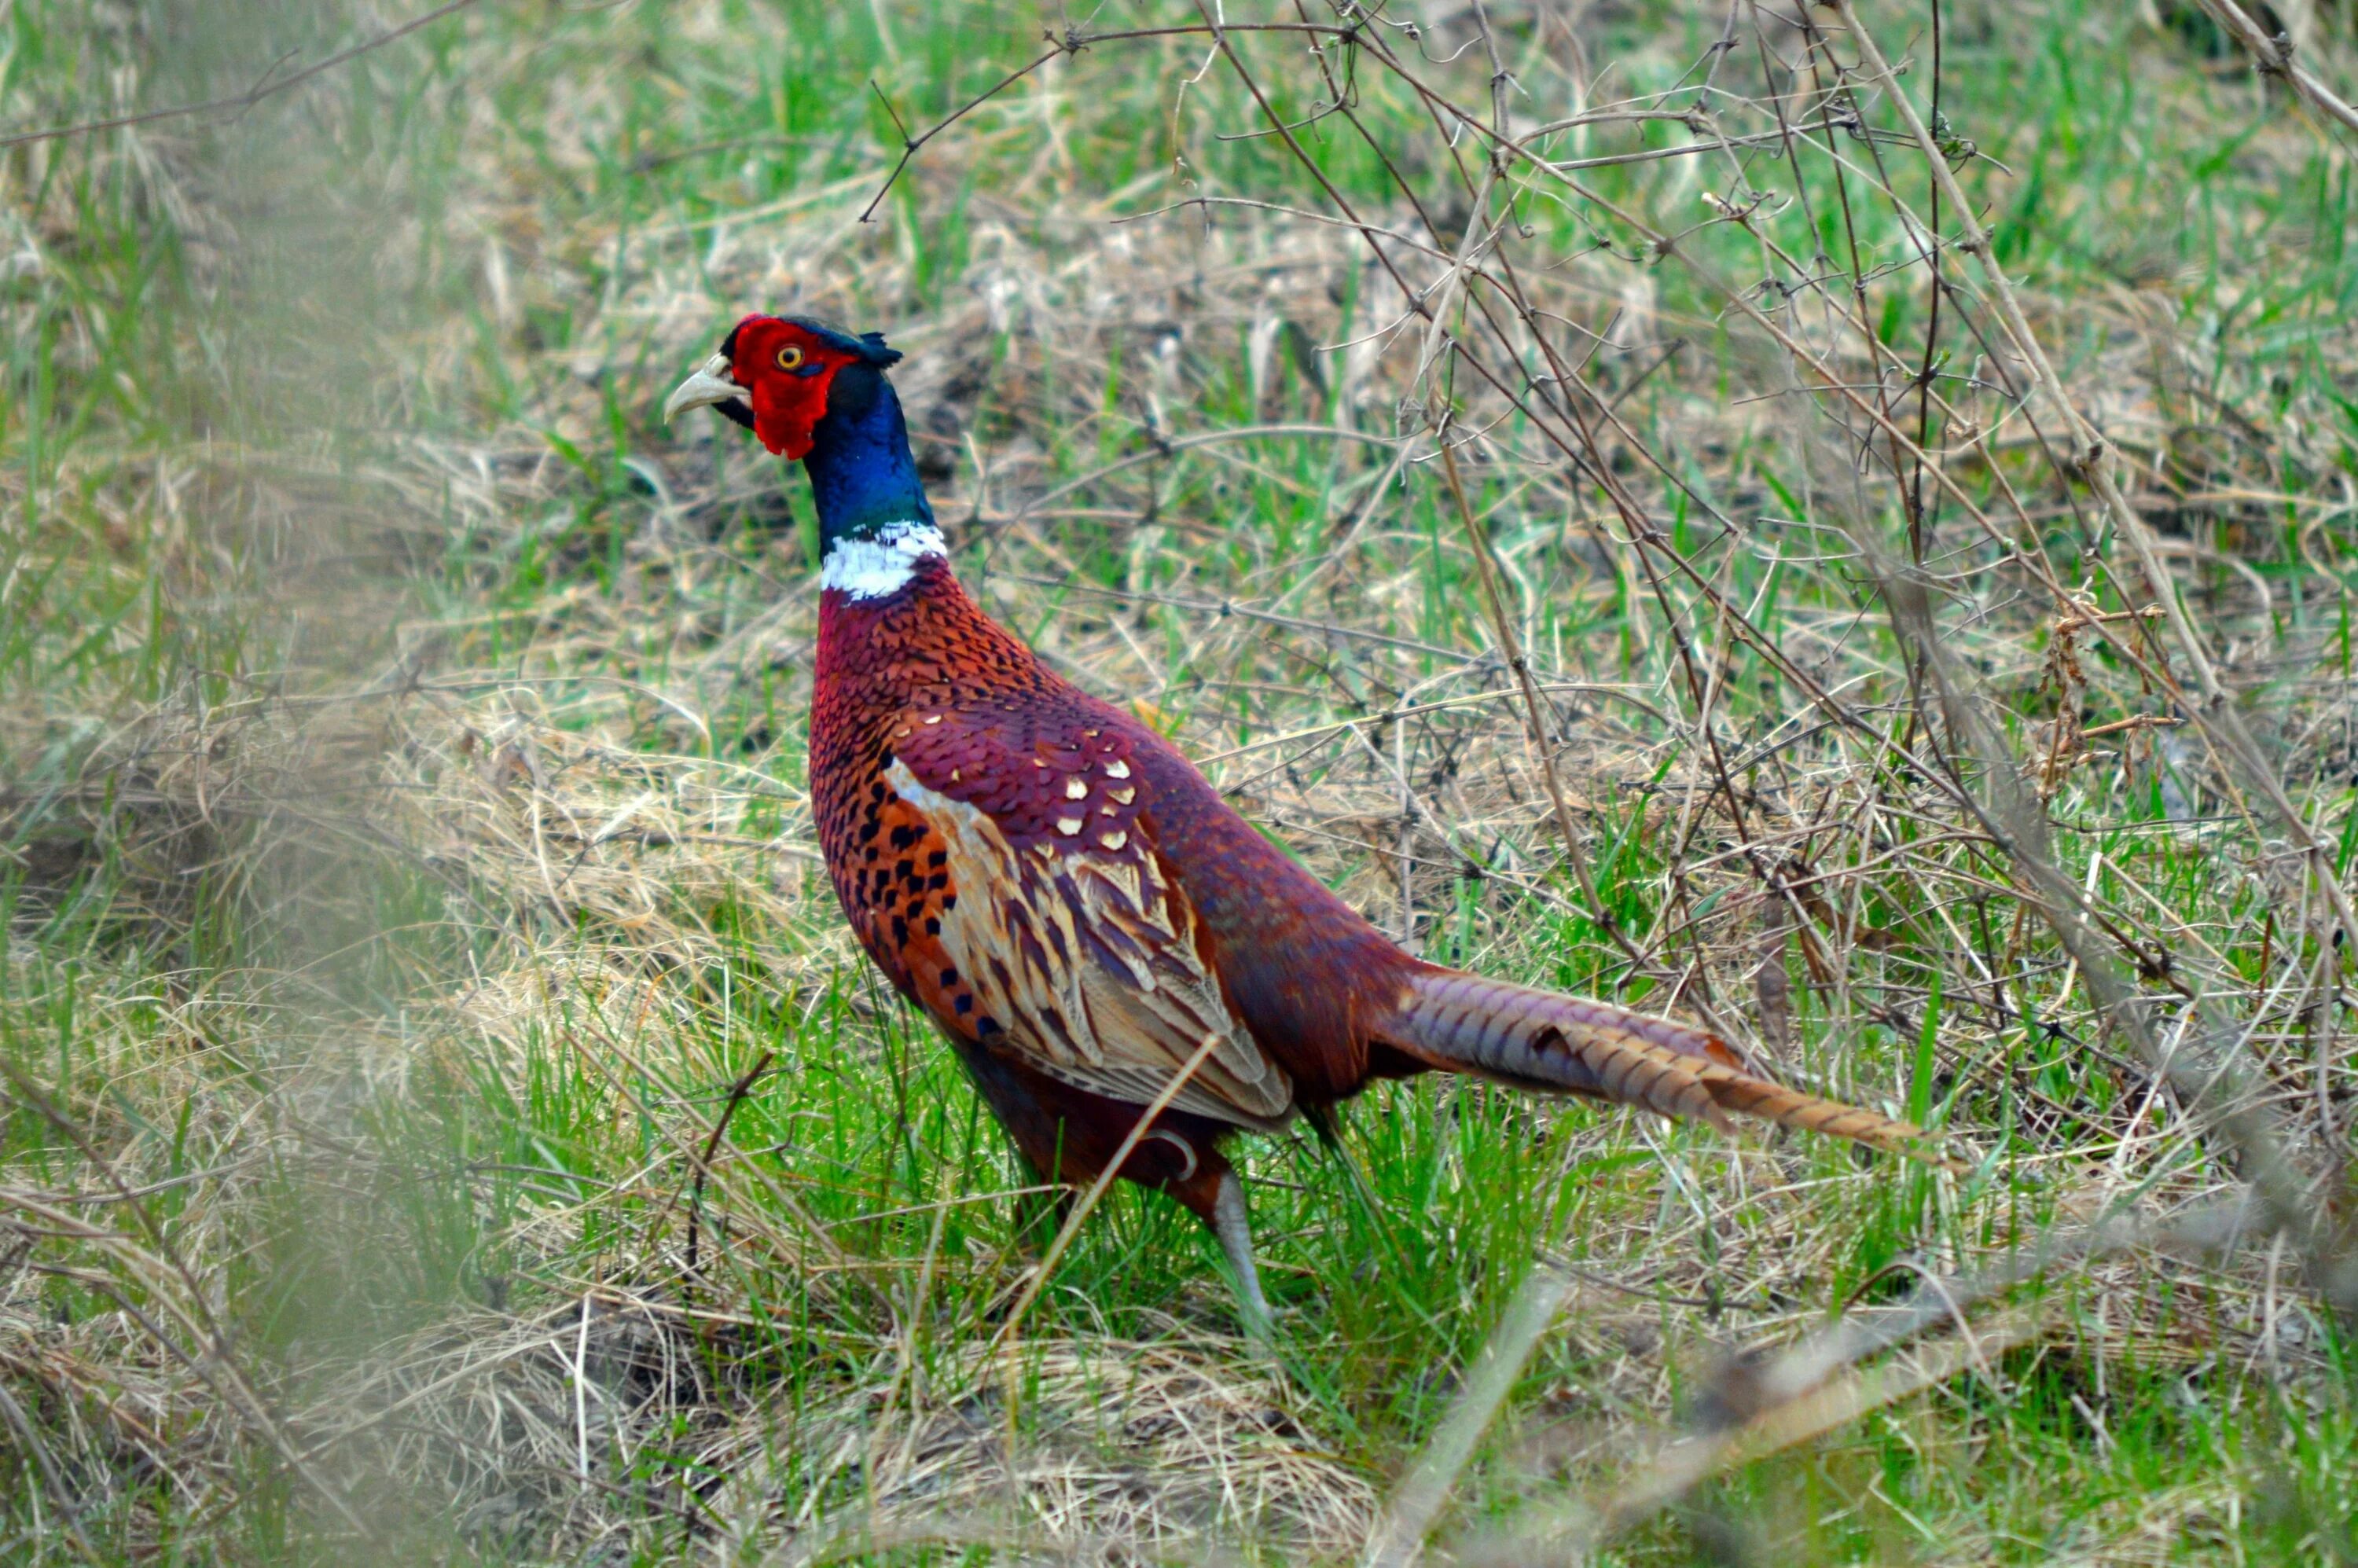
441, 1090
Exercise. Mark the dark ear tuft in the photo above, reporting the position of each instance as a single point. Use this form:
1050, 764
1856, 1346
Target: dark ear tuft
867, 346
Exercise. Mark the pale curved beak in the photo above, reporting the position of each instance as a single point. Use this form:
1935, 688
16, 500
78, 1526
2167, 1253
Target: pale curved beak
711, 383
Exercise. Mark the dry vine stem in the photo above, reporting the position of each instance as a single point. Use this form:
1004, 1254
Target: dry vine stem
1398, 1539
2216, 712
1413, 1509
1822, 1383
1542, 743
1759, 777
2013, 816
2274, 56
1432, 302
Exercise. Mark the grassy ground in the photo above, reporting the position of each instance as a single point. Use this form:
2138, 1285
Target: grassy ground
445, 1117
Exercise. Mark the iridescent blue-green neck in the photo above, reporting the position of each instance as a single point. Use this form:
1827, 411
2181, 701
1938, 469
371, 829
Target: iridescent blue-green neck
863, 480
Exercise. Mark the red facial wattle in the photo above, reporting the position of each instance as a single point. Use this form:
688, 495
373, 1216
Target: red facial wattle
786, 373
785, 413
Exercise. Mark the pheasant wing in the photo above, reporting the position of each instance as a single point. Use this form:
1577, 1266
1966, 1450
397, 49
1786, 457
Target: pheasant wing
1064, 935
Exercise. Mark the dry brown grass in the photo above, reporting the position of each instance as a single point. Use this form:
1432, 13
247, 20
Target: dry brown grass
458, 980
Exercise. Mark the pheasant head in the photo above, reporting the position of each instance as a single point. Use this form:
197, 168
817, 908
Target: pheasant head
777, 377
816, 394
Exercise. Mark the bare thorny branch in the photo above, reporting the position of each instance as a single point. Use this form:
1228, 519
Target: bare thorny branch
1559, 405
2274, 54
1477, 317
1500, 370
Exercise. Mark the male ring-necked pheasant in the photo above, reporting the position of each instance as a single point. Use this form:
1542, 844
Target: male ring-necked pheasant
1075, 905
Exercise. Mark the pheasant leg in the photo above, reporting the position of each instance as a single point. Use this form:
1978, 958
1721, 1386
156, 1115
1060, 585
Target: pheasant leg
1234, 1230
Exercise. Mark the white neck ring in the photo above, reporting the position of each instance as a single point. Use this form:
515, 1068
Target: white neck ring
873, 567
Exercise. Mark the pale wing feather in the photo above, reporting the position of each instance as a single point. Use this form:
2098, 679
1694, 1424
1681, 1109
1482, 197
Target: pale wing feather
1089, 960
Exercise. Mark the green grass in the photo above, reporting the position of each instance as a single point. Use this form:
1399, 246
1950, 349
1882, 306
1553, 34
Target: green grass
401, 778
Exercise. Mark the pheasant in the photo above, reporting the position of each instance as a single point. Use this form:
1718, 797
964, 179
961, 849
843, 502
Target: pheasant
1074, 904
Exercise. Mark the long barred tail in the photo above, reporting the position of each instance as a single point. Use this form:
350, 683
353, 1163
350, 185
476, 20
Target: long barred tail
1540, 1040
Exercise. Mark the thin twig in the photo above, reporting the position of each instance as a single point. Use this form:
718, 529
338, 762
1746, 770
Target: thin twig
737, 1093
1542, 745
2216, 713
262, 89
1073, 42
2274, 56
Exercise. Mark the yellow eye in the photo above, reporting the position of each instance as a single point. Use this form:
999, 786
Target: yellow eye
790, 357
